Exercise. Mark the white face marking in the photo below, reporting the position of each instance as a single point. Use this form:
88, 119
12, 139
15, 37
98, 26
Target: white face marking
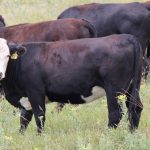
4, 53
26, 104
97, 92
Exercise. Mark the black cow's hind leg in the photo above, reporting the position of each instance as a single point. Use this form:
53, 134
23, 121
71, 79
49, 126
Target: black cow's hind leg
25, 118
114, 109
135, 107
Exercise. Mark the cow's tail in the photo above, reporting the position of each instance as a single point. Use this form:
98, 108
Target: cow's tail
137, 74
148, 49
91, 28
134, 104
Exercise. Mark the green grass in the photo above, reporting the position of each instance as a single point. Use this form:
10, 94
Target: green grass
75, 128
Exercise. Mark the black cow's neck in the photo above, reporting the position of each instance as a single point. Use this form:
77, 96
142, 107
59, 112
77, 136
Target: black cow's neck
11, 83
12, 74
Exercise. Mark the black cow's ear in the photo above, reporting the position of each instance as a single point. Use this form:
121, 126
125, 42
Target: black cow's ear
21, 50
16, 50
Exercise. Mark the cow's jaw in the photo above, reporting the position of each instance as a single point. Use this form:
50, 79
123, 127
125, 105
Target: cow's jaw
4, 53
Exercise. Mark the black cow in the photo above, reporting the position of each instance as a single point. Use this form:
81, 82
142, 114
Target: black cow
130, 18
76, 72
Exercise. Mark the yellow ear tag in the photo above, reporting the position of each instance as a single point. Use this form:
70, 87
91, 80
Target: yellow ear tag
14, 56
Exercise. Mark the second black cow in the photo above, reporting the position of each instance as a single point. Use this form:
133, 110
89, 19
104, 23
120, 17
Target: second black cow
128, 18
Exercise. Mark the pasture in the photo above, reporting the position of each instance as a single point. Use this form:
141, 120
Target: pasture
82, 127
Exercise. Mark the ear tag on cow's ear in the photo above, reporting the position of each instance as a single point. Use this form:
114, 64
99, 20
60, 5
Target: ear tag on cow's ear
14, 56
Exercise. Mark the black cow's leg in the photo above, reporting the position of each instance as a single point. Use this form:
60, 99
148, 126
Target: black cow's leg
37, 101
114, 109
25, 118
145, 68
135, 107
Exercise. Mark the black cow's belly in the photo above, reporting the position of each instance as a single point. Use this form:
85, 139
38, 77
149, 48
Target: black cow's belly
73, 99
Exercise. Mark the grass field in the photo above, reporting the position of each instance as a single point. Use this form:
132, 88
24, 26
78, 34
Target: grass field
75, 128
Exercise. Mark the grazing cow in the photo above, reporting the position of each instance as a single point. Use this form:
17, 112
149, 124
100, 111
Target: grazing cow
76, 72
2, 22
57, 30
67, 29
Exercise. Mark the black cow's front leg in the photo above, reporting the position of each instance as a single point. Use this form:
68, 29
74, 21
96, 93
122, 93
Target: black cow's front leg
25, 118
114, 109
37, 101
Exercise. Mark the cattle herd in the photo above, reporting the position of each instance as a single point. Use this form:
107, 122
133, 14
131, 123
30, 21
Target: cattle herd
90, 51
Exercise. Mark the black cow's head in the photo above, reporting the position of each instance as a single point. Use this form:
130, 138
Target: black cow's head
8, 51
16, 50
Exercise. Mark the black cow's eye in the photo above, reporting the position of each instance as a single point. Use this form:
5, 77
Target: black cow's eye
8, 55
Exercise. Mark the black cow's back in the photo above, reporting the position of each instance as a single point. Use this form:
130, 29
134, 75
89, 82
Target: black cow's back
107, 18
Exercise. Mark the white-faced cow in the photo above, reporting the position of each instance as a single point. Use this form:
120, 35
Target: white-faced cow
76, 72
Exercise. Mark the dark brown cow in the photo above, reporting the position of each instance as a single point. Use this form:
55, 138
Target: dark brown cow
67, 29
